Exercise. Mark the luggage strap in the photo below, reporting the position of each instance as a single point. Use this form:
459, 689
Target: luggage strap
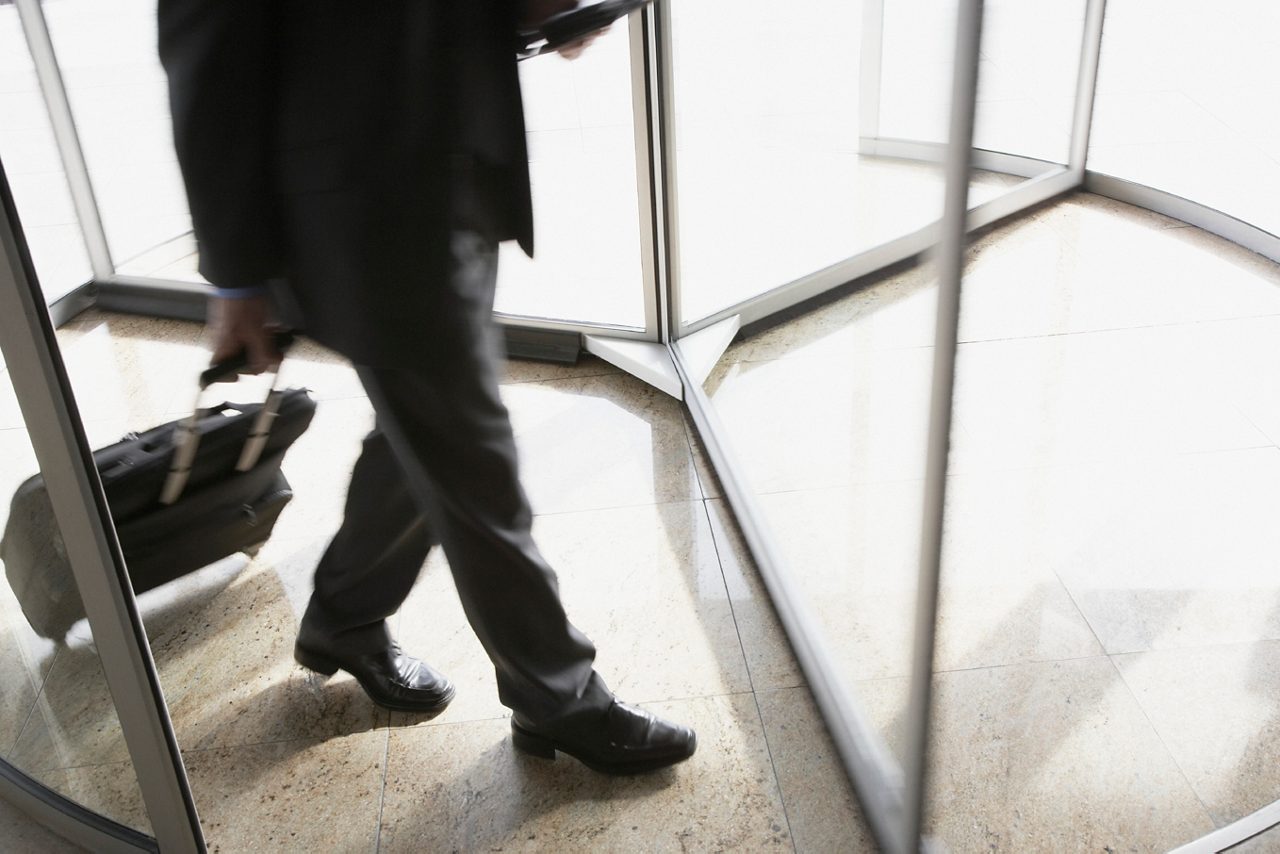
186, 438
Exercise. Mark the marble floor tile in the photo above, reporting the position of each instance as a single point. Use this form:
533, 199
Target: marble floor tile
464, 787
1050, 757
74, 722
822, 810
854, 556
110, 790
1267, 842
21, 834
19, 686
1088, 397
769, 658
132, 367
1160, 553
230, 679
1239, 357
319, 467
1218, 711
515, 371
814, 423
644, 583
291, 796
600, 442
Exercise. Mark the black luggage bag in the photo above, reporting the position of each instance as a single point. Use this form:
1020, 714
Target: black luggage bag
213, 509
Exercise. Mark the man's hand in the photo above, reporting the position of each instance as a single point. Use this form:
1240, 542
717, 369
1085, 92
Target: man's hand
537, 11
239, 325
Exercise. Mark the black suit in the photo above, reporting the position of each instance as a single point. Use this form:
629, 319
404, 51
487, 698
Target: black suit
367, 157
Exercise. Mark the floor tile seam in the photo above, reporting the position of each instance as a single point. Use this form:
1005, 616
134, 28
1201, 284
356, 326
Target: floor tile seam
1261, 430
1112, 330
746, 663
1093, 461
646, 701
1071, 597
773, 766
379, 730
1146, 716
733, 611
807, 357
691, 439
611, 507
35, 704
1005, 666
1222, 645
382, 792
587, 376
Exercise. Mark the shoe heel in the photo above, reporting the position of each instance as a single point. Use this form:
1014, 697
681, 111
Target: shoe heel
321, 664
534, 745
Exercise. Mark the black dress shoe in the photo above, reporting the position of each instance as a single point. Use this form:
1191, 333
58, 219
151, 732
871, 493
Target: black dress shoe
620, 740
392, 679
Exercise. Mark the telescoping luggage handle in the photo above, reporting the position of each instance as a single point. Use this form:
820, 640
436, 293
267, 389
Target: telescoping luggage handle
186, 437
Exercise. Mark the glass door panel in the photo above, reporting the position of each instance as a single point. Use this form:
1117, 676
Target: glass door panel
1027, 75
774, 179
35, 170
119, 97
1185, 103
582, 158
58, 723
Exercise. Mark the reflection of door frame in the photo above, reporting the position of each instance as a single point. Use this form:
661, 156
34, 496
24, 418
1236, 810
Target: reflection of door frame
75, 492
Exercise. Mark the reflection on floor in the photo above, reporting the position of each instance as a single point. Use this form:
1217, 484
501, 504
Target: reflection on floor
650, 567
1109, 639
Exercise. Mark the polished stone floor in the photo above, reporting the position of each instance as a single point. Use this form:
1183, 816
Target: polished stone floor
1108, 659
650, 566
1109, 639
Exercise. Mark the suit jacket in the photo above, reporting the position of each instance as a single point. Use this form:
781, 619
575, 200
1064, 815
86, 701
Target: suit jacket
334, 145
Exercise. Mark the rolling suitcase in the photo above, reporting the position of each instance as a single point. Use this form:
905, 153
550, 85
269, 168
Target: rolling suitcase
182, 495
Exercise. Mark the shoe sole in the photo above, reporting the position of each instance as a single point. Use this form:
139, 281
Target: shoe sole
326, 666
545, 748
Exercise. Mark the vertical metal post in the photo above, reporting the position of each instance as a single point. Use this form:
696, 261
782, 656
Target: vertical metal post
870, 72
648, 190
662, 81
1086, 86
964, 94
80, 507
36, 30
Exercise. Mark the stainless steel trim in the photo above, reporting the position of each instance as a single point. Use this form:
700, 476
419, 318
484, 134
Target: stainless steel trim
69, 819
936, 152
48, 408
642, 117
1226, 838
664, 142
1086, 85
48, 72
1025, 195
186, 301
68, 306
950, 258
870, 71
874, 773
1210, 219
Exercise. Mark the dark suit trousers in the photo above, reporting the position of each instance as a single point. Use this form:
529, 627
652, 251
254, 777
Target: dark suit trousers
441, 467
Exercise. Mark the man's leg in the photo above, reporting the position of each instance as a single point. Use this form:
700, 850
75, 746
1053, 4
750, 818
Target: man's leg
446, 422
363, 578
